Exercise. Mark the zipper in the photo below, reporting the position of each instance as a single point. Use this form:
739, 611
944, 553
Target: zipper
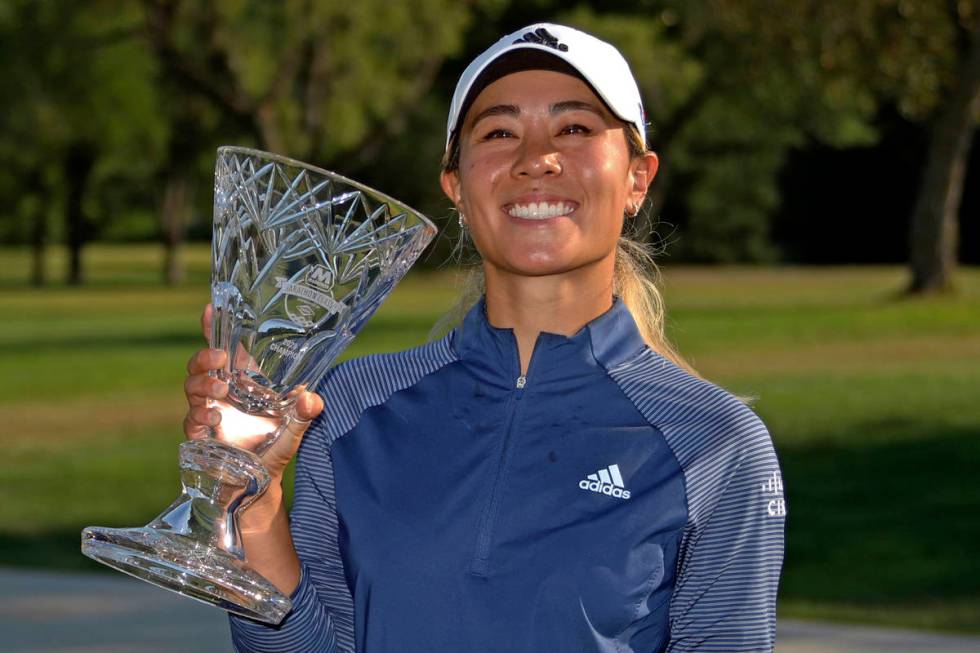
480, 564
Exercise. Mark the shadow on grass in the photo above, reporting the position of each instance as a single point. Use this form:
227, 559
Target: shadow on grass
889, 517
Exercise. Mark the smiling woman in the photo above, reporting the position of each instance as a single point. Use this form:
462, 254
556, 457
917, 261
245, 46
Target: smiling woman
546, 181
577, 125
550, 475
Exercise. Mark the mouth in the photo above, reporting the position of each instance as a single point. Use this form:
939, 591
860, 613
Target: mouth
540, 210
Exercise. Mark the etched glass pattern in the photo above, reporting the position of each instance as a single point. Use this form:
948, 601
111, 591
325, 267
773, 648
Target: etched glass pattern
301, 258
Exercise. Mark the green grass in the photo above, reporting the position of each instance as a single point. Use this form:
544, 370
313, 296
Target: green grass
873, 402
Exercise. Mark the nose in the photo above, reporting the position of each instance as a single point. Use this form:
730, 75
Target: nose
536, 157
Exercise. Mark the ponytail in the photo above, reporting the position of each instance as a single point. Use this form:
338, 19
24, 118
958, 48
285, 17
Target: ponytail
636, 282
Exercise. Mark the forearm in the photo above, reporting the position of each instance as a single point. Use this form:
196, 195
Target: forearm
269, 546
268, 543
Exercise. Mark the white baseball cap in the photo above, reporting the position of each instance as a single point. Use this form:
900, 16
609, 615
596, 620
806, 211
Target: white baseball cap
599, 64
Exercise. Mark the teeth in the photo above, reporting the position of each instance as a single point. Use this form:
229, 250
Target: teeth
540, 210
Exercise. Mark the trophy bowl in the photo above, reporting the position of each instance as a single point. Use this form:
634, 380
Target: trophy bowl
301, 259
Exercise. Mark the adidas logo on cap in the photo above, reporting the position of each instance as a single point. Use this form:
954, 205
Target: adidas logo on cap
606, 481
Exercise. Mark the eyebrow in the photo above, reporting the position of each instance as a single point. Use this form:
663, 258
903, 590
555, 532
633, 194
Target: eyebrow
514, 111
574, 105
497, 110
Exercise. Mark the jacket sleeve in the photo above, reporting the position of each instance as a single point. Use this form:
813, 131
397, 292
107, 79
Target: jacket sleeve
322, 612
729, 562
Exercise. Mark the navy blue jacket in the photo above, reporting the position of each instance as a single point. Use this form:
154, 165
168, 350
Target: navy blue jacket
605, 501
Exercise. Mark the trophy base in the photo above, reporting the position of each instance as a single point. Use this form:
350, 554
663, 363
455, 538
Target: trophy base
182, 565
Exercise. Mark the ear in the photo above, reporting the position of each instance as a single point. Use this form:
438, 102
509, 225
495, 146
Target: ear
642, 171
450, 186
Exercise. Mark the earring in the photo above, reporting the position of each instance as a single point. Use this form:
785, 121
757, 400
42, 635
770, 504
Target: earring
462, 220
632, 210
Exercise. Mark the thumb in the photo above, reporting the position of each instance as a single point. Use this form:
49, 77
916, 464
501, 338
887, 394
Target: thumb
306, 408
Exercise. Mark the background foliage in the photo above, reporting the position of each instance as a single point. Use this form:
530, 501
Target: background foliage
783, 129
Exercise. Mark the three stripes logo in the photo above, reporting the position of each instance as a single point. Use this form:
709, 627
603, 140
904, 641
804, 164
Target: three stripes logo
606, 481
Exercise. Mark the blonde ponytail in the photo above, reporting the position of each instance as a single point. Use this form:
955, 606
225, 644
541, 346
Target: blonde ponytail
636, 282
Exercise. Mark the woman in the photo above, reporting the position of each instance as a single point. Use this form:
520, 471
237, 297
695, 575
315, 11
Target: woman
549, 476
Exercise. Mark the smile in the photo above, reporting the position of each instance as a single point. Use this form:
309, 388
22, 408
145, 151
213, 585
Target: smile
540, 210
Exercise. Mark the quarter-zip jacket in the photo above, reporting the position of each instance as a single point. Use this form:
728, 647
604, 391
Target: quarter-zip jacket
606, 500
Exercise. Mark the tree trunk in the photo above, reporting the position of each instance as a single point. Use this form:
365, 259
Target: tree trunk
934, 242
37, 248
174, 208
38, 230
78, 165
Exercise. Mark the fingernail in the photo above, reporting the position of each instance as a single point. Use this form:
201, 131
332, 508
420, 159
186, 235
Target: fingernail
213, 417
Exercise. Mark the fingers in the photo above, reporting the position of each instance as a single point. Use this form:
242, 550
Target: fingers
202, 417
205, 360
206, 317
201, 387
199, 420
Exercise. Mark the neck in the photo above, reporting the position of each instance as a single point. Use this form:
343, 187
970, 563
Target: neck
560, 304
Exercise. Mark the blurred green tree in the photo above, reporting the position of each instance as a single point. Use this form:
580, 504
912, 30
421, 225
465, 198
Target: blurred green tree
924, 56
79, 120
728, 93
130, 98
327, 82
837, 63
732, 85
116, 105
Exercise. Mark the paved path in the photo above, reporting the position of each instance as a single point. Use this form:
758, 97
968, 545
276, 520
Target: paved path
42, 612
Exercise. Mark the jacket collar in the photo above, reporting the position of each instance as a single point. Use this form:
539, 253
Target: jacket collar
608, 340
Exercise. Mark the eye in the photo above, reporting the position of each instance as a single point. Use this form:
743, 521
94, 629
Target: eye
496, 133
575, 128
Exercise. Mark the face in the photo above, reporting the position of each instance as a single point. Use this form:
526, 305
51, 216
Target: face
545, 175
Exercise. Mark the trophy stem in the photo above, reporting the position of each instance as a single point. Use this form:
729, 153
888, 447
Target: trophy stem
218, 481
194, 547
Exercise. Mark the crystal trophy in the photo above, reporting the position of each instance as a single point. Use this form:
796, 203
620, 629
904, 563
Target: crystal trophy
301, 258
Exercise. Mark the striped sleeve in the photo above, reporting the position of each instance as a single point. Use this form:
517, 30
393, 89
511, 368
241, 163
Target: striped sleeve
322, 611
308, 627
322, 618
729, 563
731, 551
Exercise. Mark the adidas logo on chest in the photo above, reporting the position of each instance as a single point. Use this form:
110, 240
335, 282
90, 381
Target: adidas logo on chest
606, 481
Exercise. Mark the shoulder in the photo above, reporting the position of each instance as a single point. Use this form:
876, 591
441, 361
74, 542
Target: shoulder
714, 435
367, 374
694, 413
356, 384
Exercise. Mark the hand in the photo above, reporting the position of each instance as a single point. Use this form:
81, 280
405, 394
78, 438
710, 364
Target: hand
200, 387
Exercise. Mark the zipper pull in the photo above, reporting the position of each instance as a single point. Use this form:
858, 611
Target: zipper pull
521, 382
